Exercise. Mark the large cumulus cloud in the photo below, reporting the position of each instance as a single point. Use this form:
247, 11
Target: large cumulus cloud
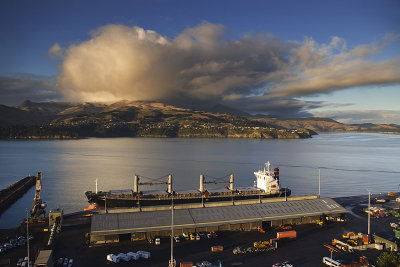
201, 65
122, 62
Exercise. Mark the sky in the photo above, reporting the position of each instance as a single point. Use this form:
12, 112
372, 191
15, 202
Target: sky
336, 59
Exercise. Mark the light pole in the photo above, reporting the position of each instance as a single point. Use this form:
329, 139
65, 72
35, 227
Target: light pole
105, 204
319, 182
27, 232
369, 212
172, 262
285, 194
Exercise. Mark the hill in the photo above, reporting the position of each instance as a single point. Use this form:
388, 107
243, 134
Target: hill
325, 125
154, 119
131, 118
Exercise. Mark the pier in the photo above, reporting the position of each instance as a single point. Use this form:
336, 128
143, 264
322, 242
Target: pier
14, 191
110, 227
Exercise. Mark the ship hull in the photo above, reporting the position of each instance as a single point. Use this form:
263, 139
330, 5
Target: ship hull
112, 201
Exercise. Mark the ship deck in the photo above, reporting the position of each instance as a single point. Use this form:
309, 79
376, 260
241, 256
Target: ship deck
211, 191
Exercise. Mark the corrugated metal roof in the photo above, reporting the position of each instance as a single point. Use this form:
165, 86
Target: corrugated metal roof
118, 223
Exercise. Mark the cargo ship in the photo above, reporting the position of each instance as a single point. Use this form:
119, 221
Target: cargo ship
266, 185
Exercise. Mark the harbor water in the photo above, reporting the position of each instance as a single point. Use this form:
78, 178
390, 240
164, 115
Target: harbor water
350, 164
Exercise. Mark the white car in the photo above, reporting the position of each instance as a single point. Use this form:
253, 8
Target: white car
283, 264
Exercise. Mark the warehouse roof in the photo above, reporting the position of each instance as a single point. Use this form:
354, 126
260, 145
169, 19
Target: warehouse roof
131, 222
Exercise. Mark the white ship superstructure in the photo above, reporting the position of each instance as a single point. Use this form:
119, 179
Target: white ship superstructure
267, 180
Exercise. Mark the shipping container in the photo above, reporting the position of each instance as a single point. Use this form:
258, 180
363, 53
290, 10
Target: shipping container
287, 234
186, 264
217, 248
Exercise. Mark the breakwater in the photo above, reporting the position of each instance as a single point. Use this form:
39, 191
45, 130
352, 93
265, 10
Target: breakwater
14, 191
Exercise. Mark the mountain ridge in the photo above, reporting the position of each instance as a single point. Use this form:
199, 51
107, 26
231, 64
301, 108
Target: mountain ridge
156, 119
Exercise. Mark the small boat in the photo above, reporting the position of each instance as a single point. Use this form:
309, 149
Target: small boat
266, 185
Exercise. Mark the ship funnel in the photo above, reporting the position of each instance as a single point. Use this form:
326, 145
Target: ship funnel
135, 184
231, 178
276, 174
201, 189
169, 184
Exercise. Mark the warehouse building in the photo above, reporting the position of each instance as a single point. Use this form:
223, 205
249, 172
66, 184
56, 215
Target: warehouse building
112, 227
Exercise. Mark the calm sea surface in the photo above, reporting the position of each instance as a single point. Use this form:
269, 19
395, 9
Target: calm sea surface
350, 164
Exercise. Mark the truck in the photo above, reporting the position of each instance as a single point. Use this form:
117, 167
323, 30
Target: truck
348, 235
286, 235
257, 247
265, 245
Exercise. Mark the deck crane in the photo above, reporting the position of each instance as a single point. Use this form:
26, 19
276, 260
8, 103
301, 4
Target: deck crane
230, 182
136, 184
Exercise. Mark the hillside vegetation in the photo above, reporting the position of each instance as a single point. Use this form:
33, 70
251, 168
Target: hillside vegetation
58, 120
131, 119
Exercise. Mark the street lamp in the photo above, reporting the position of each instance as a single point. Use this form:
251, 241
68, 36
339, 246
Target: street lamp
369, 211
172, 262
319, 182
27, 232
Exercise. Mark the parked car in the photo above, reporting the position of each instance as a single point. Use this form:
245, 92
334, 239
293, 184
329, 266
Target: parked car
204, 263
8, 245
60, 261
283, 264
186, 236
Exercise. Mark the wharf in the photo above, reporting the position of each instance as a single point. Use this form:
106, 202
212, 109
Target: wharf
14, 191
109, 227
207, 204
307, 250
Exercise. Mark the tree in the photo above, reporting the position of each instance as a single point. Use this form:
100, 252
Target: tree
388, 259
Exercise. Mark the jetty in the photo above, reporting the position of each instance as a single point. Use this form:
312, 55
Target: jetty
16, 190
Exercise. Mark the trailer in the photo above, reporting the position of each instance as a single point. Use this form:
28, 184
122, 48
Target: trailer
286, 235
